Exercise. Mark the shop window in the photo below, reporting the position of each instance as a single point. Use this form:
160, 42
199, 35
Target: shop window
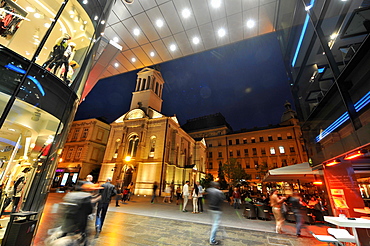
289, 135
152, 146
281, 150
279, 137
245, 141
220, 154
75, 134
270, 138
78, 153
272, 151
85, 133
263, 151
237, 141
231, 153
246, 152
210, 165
254, 151
292, 150
253, 140
230, 142
132, 146
238, 152
262, 139
210, 155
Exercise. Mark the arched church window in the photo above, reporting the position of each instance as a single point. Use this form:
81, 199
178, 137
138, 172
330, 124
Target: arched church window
132, 146
116, 146
152, 146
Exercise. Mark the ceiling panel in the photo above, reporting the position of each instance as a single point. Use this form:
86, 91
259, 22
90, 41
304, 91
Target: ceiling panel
203, 22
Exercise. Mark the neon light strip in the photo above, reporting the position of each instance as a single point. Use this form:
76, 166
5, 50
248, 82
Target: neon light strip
360, 104
34, 80
305, 24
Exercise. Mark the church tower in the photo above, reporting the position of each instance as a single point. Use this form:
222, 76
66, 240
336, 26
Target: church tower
148, 90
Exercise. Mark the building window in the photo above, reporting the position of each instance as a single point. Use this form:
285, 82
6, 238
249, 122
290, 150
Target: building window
132, 146
289, 135
281, 150
254, 151
210, 165
247, 165
220, 154
270, 138
70, 153
75, 134
284, 163
245, 141
263, 151
257, 176
275, 165
210, 145
256, 164
231, 153
253, 140
100, 135
85, 133
153, 140
292, 150
95, 154
219, 143
237, 141
272, 151
279, 137
262, 139
230, 142
245, 152
238, 152
210, 155
78, 152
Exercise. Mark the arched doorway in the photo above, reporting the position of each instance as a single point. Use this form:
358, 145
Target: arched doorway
126, 175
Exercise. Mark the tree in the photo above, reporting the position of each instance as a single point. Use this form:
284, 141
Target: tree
234, 172
205, 182
262, 170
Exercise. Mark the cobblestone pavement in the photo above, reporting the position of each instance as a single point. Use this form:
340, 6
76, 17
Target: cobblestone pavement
138, 222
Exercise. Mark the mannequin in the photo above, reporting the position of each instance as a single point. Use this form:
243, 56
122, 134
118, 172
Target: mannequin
58, 50
18, 188
65, 60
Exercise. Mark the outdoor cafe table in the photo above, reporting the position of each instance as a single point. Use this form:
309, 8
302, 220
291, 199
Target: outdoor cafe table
345, 222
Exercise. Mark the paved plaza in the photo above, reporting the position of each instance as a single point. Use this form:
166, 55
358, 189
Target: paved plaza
138, 222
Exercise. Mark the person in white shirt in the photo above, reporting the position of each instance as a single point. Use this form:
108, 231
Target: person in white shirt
200, 197
185, 195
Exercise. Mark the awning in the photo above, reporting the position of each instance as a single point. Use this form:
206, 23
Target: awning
302, 172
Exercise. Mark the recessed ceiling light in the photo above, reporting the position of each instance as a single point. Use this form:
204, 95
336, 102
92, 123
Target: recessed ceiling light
251, 23
185, 13
152, 54
159, 23
96, 17
37, 15
84, 1
11, 129
116, 64
221, 32
136, 31
172, 47
133, 59
115, 39
216, 3
30, 9
47, 25
71, 12
196, 40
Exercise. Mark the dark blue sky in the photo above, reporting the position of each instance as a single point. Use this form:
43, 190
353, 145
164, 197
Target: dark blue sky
245, 81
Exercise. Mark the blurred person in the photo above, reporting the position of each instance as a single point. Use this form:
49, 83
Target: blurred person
106, 194
178, 195
200, 197
185, 195
236, 198
118, 187
131, 188
298, 208
89, 179
155, 187
167, 194
276, 202
195, 195
215, 198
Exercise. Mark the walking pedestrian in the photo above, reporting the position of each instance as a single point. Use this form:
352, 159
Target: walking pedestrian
236, 198
195, 195
200, 197
215, 199
155, 187
298, 207
106, 195
185, 195
276, 203
178, 195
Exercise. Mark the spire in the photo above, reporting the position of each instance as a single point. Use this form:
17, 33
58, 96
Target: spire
289, 113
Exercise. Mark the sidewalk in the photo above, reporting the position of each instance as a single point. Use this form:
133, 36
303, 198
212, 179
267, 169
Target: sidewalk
138, 222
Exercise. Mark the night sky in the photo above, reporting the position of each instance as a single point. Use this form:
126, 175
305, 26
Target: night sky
245, 81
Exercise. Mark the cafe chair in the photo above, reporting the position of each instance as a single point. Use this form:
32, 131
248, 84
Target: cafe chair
326, 239
342, 235
250, 211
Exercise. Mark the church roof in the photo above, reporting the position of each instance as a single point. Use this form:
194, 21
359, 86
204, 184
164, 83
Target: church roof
206, 122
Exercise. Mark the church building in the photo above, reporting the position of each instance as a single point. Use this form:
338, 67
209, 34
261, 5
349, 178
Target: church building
145, 146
